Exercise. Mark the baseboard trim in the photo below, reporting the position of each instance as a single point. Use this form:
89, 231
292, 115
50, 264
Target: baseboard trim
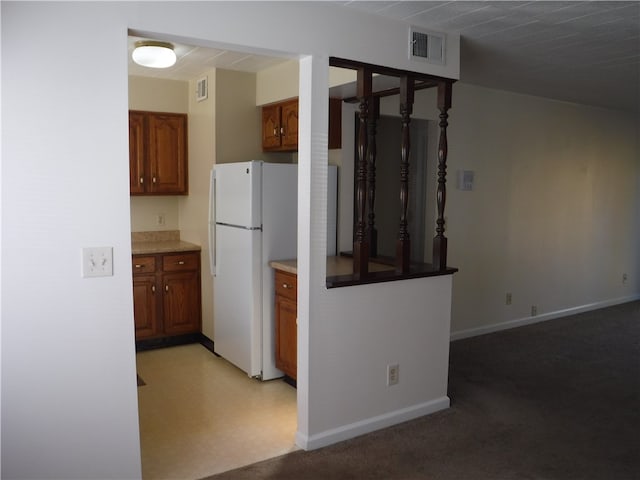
168, 341
520, 322
369, 425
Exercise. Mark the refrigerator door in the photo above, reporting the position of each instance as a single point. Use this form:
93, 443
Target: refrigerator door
237, 298
212, 223
237, 194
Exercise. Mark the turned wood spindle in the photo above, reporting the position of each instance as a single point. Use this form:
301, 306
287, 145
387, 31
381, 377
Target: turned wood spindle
440, 241
372, 232
361, 243
403, 243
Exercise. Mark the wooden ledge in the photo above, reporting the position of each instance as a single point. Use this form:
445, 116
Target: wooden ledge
417, 270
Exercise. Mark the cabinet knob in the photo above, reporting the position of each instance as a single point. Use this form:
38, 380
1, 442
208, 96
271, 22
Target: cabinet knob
153, 289
153, 179
181, 262
286, 285
281, 130
166, 288
141, 179
138, 265
275, 131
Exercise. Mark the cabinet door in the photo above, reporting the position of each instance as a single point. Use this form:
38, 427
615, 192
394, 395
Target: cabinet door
290, 125
181, 302
271, 127
286, 336
137, 152
167, 153
145, 306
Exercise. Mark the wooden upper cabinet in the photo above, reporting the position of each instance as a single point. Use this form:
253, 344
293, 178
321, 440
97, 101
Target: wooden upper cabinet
289, 123
137, 152
280, 126
271, 127
158, 153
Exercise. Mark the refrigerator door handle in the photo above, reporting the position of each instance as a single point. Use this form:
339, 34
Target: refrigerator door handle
212, 223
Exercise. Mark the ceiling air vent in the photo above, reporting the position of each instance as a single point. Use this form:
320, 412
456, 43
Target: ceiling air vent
426, 46
201, 89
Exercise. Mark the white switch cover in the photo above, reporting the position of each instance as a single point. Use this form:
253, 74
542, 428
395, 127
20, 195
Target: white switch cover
97, 262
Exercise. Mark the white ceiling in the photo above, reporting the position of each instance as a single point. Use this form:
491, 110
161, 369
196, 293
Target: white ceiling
193, 61
577, 51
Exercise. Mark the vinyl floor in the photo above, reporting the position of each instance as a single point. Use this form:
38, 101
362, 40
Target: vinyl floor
199, 415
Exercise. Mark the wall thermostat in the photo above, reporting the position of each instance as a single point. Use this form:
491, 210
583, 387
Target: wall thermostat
465, 180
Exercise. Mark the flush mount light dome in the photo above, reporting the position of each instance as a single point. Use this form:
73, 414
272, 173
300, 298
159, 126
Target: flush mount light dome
150, 53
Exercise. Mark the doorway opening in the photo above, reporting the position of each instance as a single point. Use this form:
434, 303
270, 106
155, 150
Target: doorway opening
196, 410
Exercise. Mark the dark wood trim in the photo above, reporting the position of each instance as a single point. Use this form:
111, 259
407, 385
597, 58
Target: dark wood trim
416, 270
394, 91
434, 80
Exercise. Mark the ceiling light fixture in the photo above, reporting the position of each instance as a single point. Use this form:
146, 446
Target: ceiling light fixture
150, 53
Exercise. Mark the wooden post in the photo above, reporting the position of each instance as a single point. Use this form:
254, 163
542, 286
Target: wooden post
440, 241
361, 243
372, 232
403, 243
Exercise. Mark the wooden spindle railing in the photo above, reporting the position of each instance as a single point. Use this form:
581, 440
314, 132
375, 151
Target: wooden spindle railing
365, 232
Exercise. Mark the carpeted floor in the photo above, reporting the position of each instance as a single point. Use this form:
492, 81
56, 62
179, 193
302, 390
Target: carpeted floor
555, 400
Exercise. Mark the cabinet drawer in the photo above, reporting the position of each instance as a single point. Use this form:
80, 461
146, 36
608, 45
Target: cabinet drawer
143, 264
286, 285
180, 261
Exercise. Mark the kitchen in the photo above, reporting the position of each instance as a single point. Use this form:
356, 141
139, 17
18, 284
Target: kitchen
181, 222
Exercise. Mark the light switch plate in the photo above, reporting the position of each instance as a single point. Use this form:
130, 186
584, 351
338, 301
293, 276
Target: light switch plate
97, 262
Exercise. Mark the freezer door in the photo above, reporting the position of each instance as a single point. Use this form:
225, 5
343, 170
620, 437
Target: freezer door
237, 298
238, 193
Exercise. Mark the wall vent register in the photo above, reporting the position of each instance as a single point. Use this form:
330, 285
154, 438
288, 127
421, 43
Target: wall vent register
426, 46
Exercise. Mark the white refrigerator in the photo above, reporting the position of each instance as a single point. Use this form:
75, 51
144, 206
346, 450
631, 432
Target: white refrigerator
252, 221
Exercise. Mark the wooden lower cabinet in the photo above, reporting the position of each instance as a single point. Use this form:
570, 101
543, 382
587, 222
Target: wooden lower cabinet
166, 294
286, 320
145, 313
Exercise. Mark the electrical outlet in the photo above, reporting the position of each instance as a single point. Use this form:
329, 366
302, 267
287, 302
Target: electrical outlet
508, 299
393, 374
624, 278
160, 219
534, 310
97, 262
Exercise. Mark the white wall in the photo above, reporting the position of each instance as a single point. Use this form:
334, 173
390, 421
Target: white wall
68, 378
158, 94
238, 129
277, 83
194, 208
69, 400
553, 216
